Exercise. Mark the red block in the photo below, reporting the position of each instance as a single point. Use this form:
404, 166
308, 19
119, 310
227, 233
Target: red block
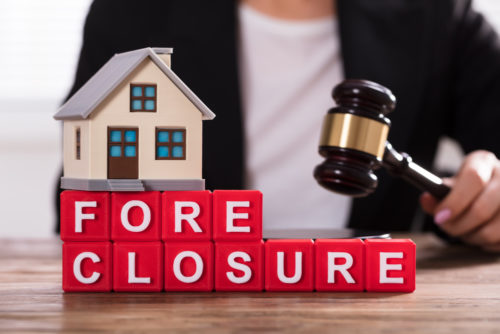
237, 215
239, 266
289, 265
189, 266
138, 266
390, 265
85, 216
339, 264
87, 266
136, 216
187, 216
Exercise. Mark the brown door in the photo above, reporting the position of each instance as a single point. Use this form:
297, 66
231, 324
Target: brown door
123, 150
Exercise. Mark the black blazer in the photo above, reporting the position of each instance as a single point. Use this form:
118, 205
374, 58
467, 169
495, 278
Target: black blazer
440, 58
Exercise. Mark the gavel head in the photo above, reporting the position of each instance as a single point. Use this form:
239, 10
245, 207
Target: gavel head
353, 137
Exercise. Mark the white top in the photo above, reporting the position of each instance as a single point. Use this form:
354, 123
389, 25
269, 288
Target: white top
288, 70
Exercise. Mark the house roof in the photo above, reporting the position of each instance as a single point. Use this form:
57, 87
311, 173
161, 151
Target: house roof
93, 92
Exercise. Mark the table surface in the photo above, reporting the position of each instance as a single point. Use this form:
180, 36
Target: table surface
458, 291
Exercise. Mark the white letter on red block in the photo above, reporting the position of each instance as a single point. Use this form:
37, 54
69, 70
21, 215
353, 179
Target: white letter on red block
247, 272
80, 216
342, 268
179, 216
131, 271
385, 267
145, 210
281, 268
77, 268
231, 216
177, 267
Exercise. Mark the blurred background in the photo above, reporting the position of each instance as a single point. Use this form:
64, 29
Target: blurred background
39, 46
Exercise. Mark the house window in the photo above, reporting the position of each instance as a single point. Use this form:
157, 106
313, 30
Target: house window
143, 97
78, 143
122, 142
170, 144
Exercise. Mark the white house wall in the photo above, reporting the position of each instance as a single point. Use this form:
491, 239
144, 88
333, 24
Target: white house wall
173, 110
76, 168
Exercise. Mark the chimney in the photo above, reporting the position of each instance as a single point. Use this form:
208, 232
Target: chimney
164, 54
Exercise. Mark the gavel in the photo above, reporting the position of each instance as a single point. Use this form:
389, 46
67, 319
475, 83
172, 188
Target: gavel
354, 144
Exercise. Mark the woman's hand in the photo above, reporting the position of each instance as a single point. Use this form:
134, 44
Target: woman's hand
471, 211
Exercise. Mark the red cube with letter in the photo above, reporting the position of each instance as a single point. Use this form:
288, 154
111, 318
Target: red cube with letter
390, 265
339, 265
237, 215
239, 266
87, 266
136, 216
85, 216
138, 266
189, 266
289, 265
187, 215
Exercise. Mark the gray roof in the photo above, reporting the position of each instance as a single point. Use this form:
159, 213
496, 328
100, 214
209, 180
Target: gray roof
90, 95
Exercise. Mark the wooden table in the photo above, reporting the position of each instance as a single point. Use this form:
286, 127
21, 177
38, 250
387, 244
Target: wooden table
458, 291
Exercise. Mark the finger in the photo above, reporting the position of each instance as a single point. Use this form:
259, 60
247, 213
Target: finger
486, 235
475, 173
428, 203
482, 210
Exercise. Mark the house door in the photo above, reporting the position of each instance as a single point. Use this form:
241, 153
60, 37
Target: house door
123, 150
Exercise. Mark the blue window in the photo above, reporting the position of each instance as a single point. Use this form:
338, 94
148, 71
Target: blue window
178, 137
143, 97
162, 152
130, 136
177, 152
136, 105
130, 151
136, 91
116, 136
150, 91
163, 136
170, 144
149, 105
122, 142
115, 151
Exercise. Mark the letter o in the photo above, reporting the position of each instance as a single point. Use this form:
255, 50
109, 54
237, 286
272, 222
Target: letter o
145, 210
177, 267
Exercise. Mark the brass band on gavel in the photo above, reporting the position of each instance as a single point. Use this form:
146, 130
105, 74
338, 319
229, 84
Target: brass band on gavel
346, 130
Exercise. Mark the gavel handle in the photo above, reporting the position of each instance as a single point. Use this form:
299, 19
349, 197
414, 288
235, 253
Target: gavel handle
402, 165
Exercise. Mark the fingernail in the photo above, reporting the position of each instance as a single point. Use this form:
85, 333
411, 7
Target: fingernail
442, 216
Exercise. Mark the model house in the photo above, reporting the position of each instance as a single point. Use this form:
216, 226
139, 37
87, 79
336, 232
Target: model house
134, 126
